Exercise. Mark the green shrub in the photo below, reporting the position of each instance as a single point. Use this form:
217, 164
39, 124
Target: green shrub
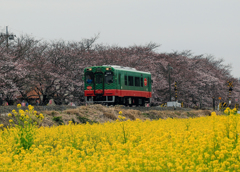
84, 120
58, 119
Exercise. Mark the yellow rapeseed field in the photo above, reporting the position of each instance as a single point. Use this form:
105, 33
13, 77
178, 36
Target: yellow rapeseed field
194, 144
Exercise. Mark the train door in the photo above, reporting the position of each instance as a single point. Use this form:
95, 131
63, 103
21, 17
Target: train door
99, 83
119, 85
149, 87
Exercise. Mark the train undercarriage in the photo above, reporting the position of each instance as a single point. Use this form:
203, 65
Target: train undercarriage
113, 100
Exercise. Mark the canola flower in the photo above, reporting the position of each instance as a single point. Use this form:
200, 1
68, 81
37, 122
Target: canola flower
194, 144
18, 105
25, 125
121, 117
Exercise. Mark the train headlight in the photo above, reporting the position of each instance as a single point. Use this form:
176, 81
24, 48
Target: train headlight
90, 69
107, 68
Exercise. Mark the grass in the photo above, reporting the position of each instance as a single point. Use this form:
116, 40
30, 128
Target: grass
146, 114
84, 120
102, 114
58, 119
110, 115
178, 114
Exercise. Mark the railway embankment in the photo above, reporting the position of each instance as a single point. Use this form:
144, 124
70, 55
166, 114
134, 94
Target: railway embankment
59, 115
7, 109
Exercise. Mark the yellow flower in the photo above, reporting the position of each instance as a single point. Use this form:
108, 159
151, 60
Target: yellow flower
41, 116
121, 117
156, 145
213, 114
18, 105
9, 114
21, 111
10, 120
221, 156
120, 112
30, 107
169, 165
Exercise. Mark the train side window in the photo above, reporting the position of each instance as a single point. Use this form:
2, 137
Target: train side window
141, 82
119, 79
125, 78
137, 81
130, 80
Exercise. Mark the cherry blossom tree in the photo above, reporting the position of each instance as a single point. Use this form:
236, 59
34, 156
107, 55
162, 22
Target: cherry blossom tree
55, 71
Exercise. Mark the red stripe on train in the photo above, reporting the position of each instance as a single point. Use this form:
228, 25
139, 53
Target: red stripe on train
120, 93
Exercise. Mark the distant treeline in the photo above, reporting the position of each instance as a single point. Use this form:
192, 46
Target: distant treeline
33, 70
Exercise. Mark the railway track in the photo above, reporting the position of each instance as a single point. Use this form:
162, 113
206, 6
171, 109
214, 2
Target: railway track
141, 108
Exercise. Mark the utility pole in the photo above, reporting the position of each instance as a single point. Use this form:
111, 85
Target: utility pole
230, 85
169, 71
214, 94
213, 103
7, 36
175, 89
200, 93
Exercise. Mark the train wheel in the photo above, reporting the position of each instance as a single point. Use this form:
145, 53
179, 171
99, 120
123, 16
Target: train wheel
126, 102
137, 101
131, 101
143, 102
117, 101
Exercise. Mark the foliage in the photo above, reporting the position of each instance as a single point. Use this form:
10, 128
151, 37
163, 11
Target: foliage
85, 120
229, 111
58, 119
195, 144
25, 126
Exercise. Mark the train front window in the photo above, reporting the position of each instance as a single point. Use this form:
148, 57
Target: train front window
89, 79
99, 79
108, 77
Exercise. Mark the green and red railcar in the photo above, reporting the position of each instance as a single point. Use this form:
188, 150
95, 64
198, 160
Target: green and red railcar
111, 84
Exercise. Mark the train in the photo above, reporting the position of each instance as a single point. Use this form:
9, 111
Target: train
113, 84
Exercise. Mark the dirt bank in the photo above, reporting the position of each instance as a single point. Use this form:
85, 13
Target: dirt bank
100, 114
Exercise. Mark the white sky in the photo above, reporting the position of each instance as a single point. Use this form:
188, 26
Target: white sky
203, 26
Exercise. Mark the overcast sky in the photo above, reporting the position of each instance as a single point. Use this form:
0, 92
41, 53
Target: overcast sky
202, 26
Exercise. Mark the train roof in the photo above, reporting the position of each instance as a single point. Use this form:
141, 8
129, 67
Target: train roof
130, 69
121, 68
